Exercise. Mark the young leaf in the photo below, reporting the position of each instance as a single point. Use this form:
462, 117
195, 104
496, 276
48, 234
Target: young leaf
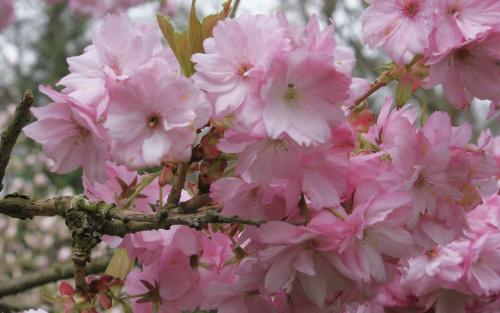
120, 265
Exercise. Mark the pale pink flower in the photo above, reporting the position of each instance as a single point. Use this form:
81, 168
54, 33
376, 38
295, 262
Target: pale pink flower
69, 136
369, 233
236, 60
175, 285
119, 48
403, 27
469, 70
462, 20
242, 292
440, 267
261, 159
391, 125
302, 97
483, 264
295, 254
321, 174
248, 200
7, 16
154, 115
420, 165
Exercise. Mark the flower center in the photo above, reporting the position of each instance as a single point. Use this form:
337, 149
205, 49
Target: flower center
81, 133
278, 145
310, 245
244, 68
420, 182
292, 95
411, 8
153, 121
465, 57
453, 8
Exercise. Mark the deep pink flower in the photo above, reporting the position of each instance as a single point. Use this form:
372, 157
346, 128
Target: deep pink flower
69, 136
403, 27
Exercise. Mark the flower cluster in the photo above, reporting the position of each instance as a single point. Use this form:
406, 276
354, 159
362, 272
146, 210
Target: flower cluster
460, 38
124, 100
362, 214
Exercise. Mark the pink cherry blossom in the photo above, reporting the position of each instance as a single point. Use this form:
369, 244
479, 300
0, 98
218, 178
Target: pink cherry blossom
460, 20
69, 136
248, 200
403, 27
236, 60
7, 16
153, 116
469, 70
369, 233
119, 48
482, 269
301, 104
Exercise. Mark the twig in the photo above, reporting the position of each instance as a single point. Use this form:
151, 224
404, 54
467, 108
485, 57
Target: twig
235, 8
9, 137
376, 85
146, 181
178, 185
53, 274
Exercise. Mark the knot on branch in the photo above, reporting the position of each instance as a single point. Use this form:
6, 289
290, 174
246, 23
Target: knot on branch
85, 225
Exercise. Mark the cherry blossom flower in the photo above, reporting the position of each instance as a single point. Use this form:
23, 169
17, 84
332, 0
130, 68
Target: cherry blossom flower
468, 70
153, 116
119, 48
459, 21
236, 60
302, 98
69, 136
403, 27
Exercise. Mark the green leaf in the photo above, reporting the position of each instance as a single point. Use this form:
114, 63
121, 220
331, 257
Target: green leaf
167, 29
211, 20
195, 31
404, 90
185, 44
120, 264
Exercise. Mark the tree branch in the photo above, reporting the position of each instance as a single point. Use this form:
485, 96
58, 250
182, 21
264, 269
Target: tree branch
21, 118
53, 274
116, 222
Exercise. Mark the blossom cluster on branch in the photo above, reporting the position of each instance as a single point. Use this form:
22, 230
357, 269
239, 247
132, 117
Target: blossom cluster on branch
265, 120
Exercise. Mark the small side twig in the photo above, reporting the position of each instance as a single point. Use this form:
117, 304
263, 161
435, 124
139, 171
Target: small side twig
235, 8
376, 85
178, 185
21, 118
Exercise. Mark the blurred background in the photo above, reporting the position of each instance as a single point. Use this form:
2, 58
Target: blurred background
34, 47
